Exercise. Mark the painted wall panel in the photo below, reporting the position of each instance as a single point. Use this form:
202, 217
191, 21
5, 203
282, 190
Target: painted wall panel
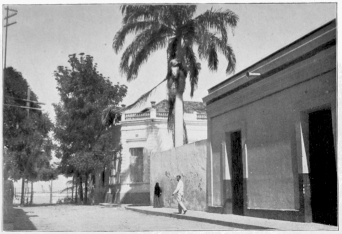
270, 140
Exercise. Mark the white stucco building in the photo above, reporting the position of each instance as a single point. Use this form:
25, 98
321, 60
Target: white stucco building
143, 134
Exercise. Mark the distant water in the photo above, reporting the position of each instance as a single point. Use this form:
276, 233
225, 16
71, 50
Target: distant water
41, 198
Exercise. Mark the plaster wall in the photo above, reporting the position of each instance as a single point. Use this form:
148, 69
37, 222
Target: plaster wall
133, 136
153, 136
196, 131
268, 124
189, 161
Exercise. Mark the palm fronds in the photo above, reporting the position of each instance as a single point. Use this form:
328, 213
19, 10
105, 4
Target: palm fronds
134, 13
174, 28
193, 67
218, 20
66, 189
138, 51
208, 44
143, 97
110, 115
137, 27
157, 40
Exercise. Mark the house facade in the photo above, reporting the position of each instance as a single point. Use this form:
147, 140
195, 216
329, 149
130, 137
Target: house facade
272, 135
143, 134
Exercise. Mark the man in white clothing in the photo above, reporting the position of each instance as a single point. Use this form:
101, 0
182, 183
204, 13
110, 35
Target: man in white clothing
180, 193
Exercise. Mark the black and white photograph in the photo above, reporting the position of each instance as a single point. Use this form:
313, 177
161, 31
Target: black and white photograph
170, 116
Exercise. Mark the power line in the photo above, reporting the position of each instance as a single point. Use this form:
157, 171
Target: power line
25, 100
25, 107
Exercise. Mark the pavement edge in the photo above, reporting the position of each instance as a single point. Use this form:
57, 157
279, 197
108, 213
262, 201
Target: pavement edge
198, 219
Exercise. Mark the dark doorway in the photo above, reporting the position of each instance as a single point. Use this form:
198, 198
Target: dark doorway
323, 173
237, 173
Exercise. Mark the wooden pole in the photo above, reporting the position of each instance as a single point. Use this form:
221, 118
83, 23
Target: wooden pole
6, 26
7, 9
22, 201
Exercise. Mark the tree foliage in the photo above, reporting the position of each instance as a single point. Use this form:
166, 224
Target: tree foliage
84, 144
27, 144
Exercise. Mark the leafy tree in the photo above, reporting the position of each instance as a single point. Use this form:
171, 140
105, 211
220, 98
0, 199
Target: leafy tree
27, 144
175, 28
84, 93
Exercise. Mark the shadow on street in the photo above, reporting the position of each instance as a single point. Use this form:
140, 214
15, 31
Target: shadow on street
22, 221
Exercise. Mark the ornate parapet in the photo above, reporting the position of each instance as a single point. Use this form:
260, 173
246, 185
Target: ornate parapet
161, 115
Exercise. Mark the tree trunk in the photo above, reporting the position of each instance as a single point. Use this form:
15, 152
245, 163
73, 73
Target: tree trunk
179, 131
31, 201
27, 193
51, 192
72, 188
76, 191
81, 190
22, 201
86, 189
97, 185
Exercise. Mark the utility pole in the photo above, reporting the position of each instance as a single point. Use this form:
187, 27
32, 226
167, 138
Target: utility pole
6, 26
28, 115
28, 104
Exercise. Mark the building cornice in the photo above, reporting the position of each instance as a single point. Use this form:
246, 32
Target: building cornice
302, 49
146, 122
321, 65
136, 139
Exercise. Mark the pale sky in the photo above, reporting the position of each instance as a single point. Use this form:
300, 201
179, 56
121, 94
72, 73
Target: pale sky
45, 35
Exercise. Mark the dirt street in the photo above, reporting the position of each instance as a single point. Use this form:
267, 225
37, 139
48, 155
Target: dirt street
96, 218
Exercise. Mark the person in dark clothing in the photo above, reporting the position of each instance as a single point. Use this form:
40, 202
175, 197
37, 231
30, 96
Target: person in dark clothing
157, 201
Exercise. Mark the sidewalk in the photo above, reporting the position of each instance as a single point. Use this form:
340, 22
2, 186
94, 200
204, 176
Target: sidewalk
236, 221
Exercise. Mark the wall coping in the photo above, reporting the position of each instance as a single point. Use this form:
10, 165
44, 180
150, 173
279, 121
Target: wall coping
309, 42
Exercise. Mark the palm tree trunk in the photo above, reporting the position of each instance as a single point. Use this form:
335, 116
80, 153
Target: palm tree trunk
179, 131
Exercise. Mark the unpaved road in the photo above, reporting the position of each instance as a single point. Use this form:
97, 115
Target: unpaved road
98, 219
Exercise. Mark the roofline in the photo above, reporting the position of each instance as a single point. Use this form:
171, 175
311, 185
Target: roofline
213, 89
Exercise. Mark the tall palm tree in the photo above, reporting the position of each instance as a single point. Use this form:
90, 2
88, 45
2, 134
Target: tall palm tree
175, 28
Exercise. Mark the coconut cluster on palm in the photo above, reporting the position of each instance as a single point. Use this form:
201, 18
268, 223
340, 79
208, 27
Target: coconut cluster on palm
175, 28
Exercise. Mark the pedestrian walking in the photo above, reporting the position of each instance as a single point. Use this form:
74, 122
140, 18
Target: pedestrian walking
157, 201
179, 192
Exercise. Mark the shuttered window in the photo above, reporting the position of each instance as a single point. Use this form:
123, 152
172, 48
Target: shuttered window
136, 164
